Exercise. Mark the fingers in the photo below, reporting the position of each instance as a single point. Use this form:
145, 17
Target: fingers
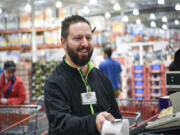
108, 116
101, 117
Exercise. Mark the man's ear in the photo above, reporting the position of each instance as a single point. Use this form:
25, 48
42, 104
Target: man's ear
63, 42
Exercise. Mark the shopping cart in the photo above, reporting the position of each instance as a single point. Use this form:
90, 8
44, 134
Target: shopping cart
18, 119
147, 108
138, 112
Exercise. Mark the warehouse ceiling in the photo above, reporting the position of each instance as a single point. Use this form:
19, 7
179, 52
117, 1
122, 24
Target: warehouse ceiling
145, 7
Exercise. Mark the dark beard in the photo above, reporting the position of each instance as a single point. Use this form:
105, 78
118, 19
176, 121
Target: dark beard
76, 59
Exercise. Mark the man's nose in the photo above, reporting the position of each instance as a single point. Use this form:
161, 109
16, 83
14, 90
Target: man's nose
84, 42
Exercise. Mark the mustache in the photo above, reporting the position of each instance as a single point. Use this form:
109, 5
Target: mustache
81, 48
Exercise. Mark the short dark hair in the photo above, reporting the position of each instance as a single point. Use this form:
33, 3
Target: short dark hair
108, 51
70, 20
9, 65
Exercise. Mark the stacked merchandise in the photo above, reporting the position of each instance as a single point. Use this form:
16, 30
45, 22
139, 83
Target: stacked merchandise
25, 73
148, 82
51, 40
40, 72
139, 82
13, 39
98, 38
12, 22
25, 39
2, 23
15, 30
49, 17
3, 41
25, 21
156, 81
39, 19
102, 30
9, 23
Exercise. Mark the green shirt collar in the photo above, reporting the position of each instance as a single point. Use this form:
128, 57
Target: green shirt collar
90, 65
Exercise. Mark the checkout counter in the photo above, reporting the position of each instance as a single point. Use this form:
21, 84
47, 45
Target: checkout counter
168, 124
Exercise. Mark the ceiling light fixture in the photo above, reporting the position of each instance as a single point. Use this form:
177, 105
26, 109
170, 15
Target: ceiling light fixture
164, 19
107, 15
152, 16
125, 19
153, 24
135, 12
58, 4
160, 2
177, 7
1, 11
176, 22
138, 21
116, 7
28, 8
164, 26
92, 2
86, 10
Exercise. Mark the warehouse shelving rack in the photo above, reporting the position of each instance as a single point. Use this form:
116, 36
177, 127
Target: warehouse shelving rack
156, 81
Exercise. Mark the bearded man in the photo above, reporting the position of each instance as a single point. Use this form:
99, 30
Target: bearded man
78, 97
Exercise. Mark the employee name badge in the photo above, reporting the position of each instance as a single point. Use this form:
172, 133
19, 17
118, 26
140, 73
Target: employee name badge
88, 98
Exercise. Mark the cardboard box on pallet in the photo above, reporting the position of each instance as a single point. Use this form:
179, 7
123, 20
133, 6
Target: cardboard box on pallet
12, 22
25, 21
24, 72
2, 23
138, 82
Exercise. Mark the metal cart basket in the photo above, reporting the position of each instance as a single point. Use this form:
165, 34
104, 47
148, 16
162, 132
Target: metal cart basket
18, 119
147, 108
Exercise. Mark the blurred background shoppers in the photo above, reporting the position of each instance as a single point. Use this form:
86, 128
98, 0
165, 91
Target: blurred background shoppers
12, 91
112, 69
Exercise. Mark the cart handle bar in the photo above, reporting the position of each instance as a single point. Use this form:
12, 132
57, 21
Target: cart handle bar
45, 132
139, 100
151, 118
18, 106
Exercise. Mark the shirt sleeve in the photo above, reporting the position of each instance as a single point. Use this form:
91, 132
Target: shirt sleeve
61, 120
120, 68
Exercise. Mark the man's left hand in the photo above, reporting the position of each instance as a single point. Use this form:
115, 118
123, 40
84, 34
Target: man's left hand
101, 117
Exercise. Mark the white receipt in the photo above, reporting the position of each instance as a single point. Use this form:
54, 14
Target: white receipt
119, 127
